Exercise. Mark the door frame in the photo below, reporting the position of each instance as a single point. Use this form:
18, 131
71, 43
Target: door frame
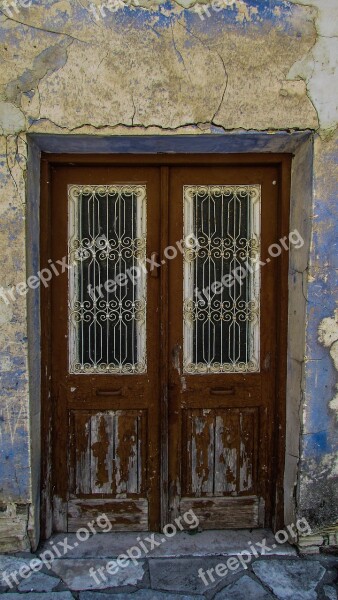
164, 161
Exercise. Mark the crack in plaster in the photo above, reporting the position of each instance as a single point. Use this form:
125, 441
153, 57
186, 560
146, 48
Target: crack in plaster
179, 53
140, 127
9, 167
13, 160
43, 29
213, 120
223, 64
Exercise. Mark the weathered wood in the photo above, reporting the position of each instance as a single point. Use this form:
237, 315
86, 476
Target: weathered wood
283, 224
224, 513
45, 315
221, 451
164, 325
248, 450
105, 427
200, 451
185, 159
226, 451
112, 446
124, 515
108, 454
222, 445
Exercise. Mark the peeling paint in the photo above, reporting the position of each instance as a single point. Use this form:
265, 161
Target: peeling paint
319, 68
328, 336
12, 120
49, 60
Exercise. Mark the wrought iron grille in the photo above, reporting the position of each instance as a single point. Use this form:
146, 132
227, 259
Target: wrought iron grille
107, 281
221, 278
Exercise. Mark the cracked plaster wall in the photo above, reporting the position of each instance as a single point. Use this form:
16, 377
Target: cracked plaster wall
318, 491
159, 67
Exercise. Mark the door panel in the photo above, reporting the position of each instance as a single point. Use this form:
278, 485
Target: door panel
221, 451
108, 459
105, 347
222, 341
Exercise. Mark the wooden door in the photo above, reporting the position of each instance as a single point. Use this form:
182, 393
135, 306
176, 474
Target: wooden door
105, 346
222, 344
145, 367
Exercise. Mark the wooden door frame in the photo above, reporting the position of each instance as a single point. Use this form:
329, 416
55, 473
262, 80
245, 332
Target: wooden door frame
164, 161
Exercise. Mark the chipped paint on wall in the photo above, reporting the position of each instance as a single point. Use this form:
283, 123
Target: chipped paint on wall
328, 336
319, 465
13, 527
171, 56
319, 67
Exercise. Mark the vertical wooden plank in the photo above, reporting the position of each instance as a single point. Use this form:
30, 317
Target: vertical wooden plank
80, 436
186, 476
153, 394
101, 443
45, 315
247, 450
202, 451
164, 349
279, 409
226, 451
127, 458
141, 452
269, 301
59, 352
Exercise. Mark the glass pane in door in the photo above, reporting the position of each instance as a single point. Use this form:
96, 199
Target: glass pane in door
107, 279
221, 278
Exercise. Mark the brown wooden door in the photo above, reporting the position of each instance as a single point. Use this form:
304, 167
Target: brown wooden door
105, 347
222, 344
109, 369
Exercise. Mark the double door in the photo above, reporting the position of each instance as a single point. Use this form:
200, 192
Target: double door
163, 344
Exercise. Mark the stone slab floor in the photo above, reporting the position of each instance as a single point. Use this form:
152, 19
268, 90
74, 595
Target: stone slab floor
169, 570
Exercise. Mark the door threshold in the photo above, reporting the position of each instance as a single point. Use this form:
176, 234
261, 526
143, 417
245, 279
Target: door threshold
204, 543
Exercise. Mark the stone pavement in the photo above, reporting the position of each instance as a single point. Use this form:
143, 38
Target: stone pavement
171, 572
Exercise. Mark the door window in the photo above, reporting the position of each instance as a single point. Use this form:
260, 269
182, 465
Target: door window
107, 284
221, 280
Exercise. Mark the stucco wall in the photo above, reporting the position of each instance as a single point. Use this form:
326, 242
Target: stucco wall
169, 68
